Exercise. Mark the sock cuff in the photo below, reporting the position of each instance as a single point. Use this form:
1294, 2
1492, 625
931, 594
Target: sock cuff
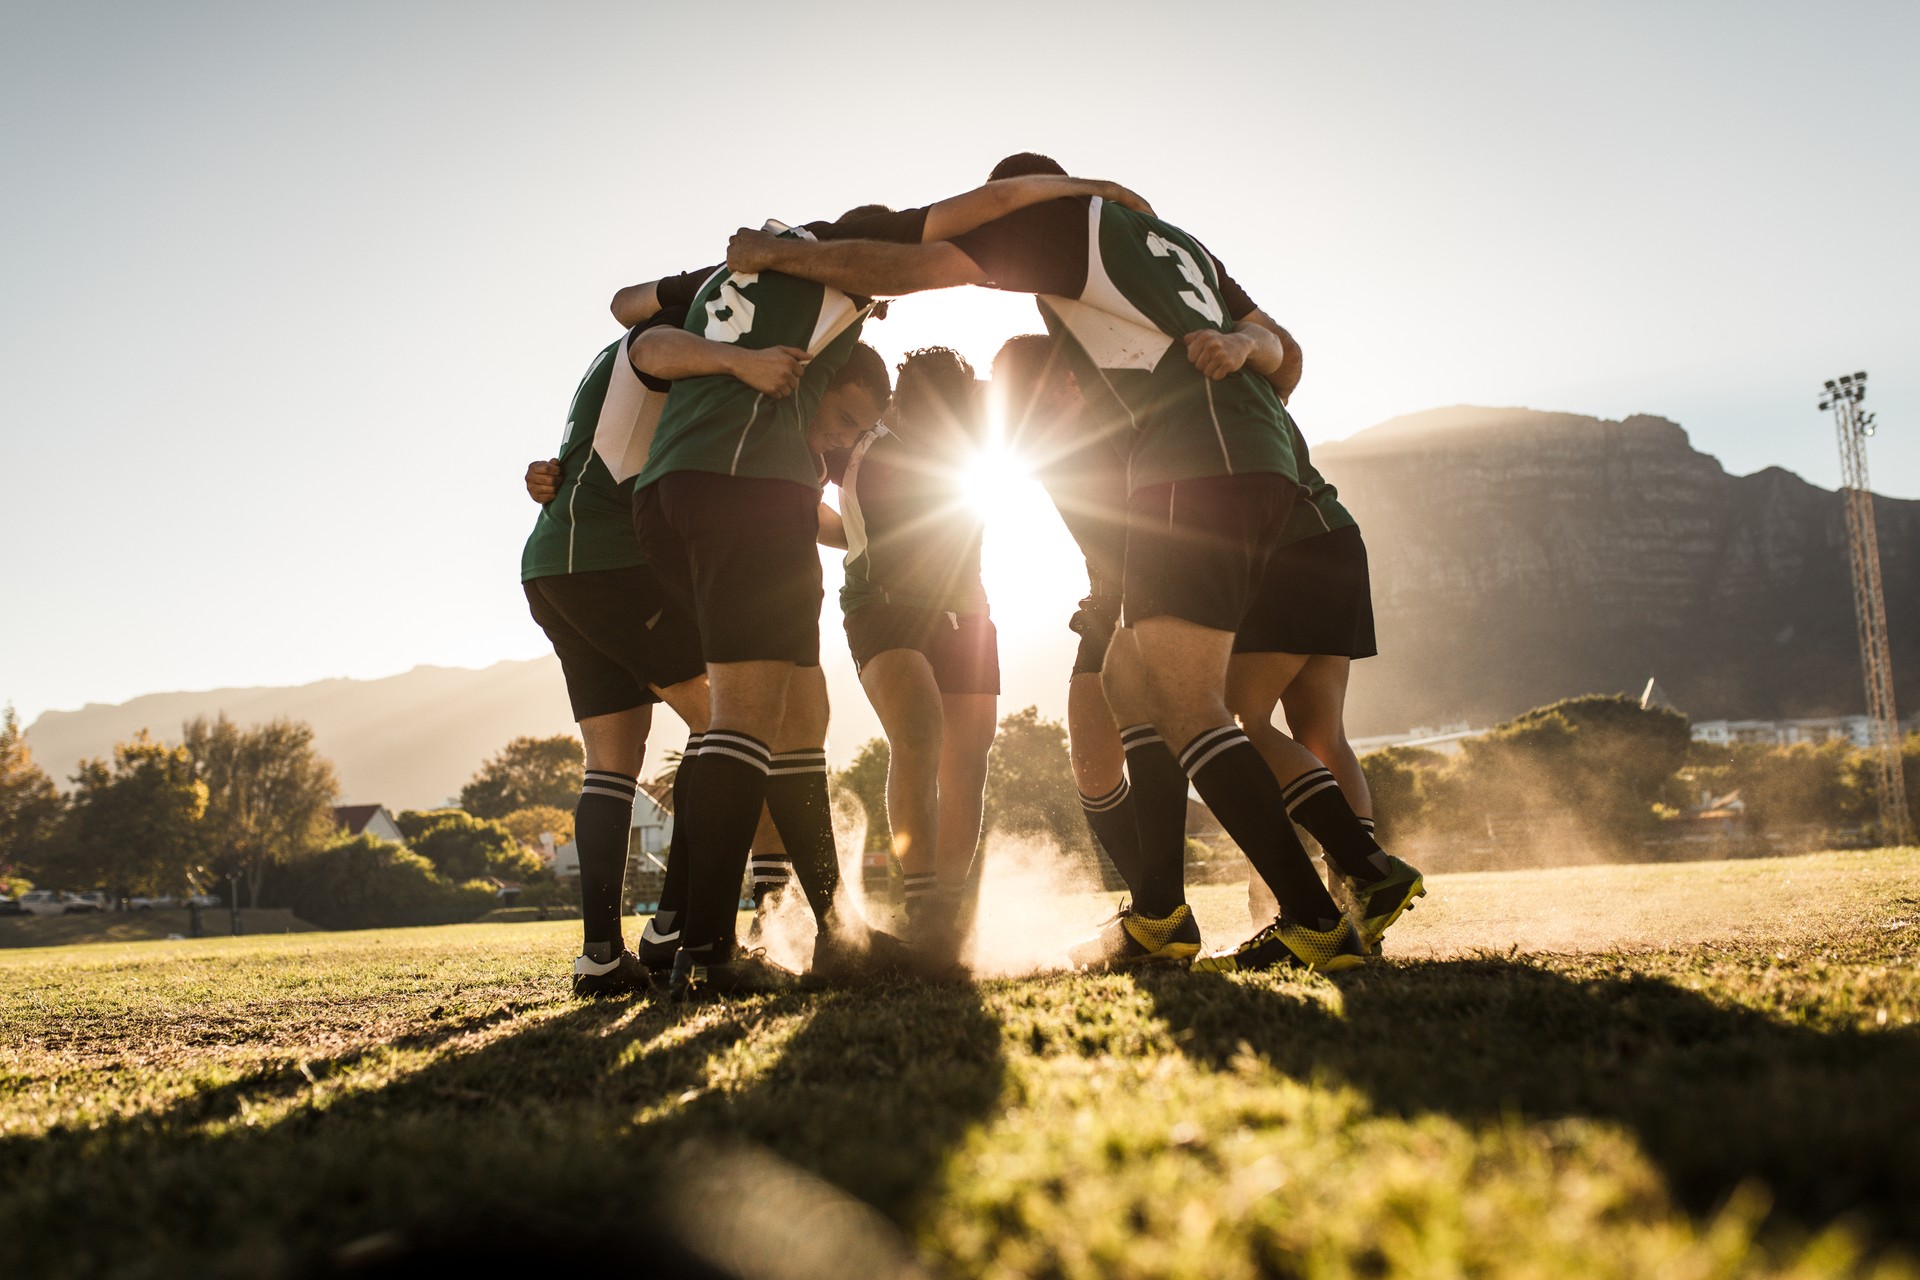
1310, 783
1366, 823
1139, 735
1196, 755
693, 745
770, 868
615, 786
1111, 800
743, 747
920, 883
811, 760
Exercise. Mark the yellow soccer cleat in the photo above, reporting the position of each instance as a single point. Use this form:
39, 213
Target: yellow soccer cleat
1283, 945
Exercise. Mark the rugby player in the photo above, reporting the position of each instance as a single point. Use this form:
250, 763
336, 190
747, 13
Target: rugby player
919, 629
1212, 482
622, 645
727, 508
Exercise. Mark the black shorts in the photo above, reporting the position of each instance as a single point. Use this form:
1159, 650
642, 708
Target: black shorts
1197, 549
962, 648
1094, 622
1315, 598
740, 553
616, 632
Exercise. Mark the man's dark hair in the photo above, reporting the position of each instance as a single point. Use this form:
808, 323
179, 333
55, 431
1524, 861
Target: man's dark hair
1024, 163
938, 390
1021, 368
860, 211
867, 370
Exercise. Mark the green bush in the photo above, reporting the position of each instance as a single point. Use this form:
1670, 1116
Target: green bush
463, 847
367, 883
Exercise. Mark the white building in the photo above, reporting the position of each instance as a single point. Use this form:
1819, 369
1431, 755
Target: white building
368, 820
652, 830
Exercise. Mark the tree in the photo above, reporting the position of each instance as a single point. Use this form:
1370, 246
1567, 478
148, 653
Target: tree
534, 821
462, 847
134, 822
1400, 780
367, 883
1030, 787
866, 778
1605, 758
269, 795
30, 805
527, 771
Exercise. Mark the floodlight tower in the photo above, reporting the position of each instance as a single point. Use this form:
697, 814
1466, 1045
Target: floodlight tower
1843, 397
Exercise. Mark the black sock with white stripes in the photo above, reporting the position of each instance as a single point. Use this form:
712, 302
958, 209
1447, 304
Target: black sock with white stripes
602, 823
768, 871
1159, 792
667, 917
1111, 818
1315, 802
797, 799
724, 798
1237, 785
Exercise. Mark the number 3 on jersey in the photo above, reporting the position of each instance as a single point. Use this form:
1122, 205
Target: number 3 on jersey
730, 312
1200, 297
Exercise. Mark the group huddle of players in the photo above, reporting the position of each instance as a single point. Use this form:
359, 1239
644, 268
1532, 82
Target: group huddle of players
675, 560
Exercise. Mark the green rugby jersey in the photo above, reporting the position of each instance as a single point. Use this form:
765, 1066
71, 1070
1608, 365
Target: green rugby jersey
589, 524
912, 539
1318, 509
722, 425
1119, 291
1085, 474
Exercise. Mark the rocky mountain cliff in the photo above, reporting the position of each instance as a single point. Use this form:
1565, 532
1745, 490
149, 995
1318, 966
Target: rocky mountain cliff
1520, 556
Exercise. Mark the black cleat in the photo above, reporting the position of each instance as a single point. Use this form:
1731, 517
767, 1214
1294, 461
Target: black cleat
742, 973
625, 975
1375, 904
657, 947
860, 955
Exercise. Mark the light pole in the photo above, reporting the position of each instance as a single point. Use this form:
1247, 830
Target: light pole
1852, 427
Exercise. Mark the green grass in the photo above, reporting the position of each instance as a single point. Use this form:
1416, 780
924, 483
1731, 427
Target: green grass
1714, 1072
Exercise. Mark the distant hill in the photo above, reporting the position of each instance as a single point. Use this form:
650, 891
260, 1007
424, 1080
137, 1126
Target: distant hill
1521, 556
406, 741
1518, 557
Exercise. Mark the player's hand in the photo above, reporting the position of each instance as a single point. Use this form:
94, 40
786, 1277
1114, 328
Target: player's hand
751, 250
774, 371
1218, 354
543, 480
1125, 198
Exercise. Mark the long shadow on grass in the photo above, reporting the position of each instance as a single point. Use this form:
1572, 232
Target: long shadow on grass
1716, 1095
548, 1142
522, 1143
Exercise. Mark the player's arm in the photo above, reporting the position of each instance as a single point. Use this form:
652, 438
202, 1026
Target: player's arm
668, 353
833, 529
869, 268
543, 480
638, 303
1257, 344
960, 214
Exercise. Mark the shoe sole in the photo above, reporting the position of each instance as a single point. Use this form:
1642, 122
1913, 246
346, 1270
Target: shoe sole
1176, 953
1372, 935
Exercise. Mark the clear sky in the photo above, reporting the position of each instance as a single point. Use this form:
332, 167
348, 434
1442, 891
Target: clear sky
292, 293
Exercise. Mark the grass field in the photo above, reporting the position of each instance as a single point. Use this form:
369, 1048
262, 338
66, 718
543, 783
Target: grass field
1674, 1071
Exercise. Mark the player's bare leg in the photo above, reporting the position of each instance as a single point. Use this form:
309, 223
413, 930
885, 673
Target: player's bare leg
900, 684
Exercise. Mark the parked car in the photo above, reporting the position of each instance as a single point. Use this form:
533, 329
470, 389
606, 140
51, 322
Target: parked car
203, 900
144, 903
44, 902
8, 906
80, 903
